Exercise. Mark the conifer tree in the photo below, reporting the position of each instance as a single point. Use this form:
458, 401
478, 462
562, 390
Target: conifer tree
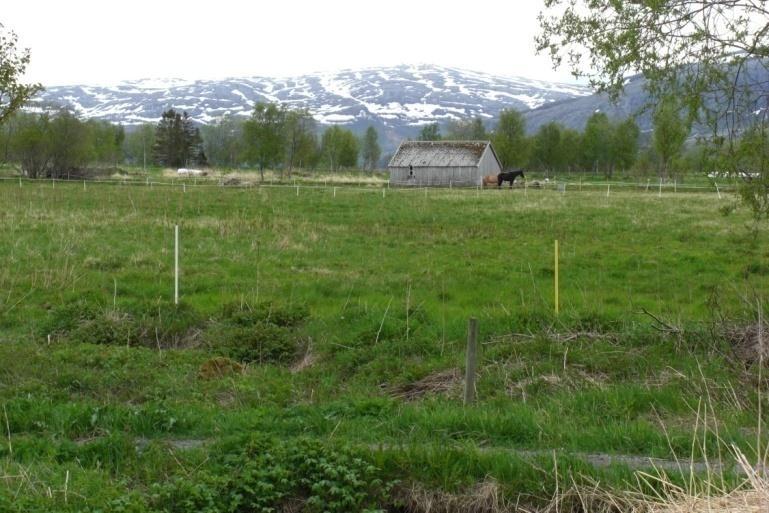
371, 150
177, 141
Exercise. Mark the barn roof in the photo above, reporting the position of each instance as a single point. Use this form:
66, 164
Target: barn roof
439, 153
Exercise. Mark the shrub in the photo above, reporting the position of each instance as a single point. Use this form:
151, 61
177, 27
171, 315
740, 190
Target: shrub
264, 475
110, 327
148, 324
280, 315
260, 343
263, 334
67, 317
168, 324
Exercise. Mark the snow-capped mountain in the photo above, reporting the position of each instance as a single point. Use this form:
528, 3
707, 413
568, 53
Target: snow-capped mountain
397, 100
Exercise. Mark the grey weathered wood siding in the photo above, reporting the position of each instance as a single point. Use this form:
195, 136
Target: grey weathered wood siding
436, 176
489, 165
442, 163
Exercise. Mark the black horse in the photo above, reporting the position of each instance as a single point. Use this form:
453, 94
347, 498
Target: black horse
509, 176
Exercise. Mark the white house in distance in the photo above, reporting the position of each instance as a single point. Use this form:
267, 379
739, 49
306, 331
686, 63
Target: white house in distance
443, 163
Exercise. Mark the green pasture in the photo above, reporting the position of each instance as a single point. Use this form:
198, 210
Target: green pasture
347, 307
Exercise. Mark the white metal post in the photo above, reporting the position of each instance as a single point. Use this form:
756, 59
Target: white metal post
176, 264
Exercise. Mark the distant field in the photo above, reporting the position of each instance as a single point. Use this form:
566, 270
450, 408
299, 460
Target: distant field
348, 306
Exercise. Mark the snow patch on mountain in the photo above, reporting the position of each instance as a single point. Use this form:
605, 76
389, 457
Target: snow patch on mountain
395, 99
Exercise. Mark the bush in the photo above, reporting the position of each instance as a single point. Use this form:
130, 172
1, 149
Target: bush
280, 315
67, 317
110, 327
260, 343
262, 475
168, 325
147, 325
264, 334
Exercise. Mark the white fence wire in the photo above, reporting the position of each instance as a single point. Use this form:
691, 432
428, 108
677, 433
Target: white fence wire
560, 186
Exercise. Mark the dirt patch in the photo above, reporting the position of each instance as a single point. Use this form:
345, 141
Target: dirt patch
485, 497
219, 367
750, 342
438, 383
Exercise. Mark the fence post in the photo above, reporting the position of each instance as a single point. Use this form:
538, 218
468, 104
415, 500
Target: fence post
717, 191
176, 264
471, 360
556, 277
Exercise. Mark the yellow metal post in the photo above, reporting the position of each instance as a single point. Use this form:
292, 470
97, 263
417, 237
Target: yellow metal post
556, 277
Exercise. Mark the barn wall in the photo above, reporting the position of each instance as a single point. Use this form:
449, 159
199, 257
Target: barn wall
488, 164
436, 176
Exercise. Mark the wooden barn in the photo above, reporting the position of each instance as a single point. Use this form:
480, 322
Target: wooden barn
443, 163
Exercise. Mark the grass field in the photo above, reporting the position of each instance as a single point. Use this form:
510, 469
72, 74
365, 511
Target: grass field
320, 338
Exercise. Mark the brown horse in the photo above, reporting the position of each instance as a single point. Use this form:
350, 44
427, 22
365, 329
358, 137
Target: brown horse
489, 180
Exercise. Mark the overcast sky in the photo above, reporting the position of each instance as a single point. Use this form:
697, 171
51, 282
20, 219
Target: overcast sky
89, 41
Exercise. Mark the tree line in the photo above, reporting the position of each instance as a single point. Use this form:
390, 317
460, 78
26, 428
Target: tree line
281, 138
59, 144
603, 146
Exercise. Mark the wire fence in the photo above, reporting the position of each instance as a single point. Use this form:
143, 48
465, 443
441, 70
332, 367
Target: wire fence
560, 186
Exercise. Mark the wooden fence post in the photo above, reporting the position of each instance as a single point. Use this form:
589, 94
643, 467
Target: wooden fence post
471, 360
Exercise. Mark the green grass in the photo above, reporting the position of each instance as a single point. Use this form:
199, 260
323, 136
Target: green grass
373, 293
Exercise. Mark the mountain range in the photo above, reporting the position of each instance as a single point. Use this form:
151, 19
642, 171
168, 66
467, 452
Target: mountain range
397, 101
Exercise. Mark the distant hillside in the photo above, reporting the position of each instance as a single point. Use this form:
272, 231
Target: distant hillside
396, 100
574, 112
